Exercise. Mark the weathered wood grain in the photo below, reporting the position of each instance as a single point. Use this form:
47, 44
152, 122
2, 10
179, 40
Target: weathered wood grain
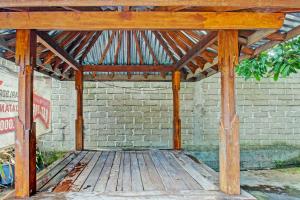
25, 140
229, 124
77, 185
136, 20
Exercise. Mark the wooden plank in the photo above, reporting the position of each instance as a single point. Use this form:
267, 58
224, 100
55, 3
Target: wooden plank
145, 176
104, 176
204, 182
67, 182
43, 180
137, 184
127, 183
184, 175
176, 110
197, 49
128, 68
199, 166
177, 181
203, 3
79, 122
166, 179
46, 170
136, 20
77, 185
121, 170
50, 44
229, 124
114, 174
153, 173
25, 140
93, 177
58, 177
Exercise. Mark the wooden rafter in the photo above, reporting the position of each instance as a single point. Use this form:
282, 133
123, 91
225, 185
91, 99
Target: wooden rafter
49, 43
172, 44
138, 48
63, 66
197, 49
82, 44
90, 45
128, 51
136, 20
118, 47
49, 55
164, 45
286, 36
178, 41
258, 35
86, 38
111, 37
149, 47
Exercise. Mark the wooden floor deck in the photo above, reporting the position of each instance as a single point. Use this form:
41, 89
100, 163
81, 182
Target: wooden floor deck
151, 174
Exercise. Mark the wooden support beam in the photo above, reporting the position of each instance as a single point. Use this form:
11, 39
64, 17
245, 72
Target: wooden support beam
229, 124
49, 43
203, 3
176, 110
25, 143
79, 141
197, 49
136, 20
128, 68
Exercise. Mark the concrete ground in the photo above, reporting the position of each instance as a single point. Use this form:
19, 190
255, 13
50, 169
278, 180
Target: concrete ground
273, 184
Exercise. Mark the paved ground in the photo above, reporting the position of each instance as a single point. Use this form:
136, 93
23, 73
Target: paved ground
274, 184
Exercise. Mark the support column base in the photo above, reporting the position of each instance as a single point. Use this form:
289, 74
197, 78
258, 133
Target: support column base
25, 169
79, 133
229, 155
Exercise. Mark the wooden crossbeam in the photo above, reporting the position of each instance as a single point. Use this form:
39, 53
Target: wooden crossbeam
128, 68
136, 20
49, 43
204, 3
196, 50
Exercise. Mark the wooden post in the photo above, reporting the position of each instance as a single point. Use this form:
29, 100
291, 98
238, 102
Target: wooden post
229, 148
79, 119
25, 141
176, 110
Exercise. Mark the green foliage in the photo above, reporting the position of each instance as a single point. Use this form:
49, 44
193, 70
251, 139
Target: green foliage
280, 61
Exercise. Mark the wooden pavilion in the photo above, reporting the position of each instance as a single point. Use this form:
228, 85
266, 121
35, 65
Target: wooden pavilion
146, 40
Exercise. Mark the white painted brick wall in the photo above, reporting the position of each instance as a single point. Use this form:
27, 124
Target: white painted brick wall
135, 117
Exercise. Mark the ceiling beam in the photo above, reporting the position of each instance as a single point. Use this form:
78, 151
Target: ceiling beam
206, 3
50, 44
197, 49
128, 68
136, 20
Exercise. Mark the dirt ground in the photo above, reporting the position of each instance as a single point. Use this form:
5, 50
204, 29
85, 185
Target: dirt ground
276, 184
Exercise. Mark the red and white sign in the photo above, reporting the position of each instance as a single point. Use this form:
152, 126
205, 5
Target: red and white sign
9, 106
